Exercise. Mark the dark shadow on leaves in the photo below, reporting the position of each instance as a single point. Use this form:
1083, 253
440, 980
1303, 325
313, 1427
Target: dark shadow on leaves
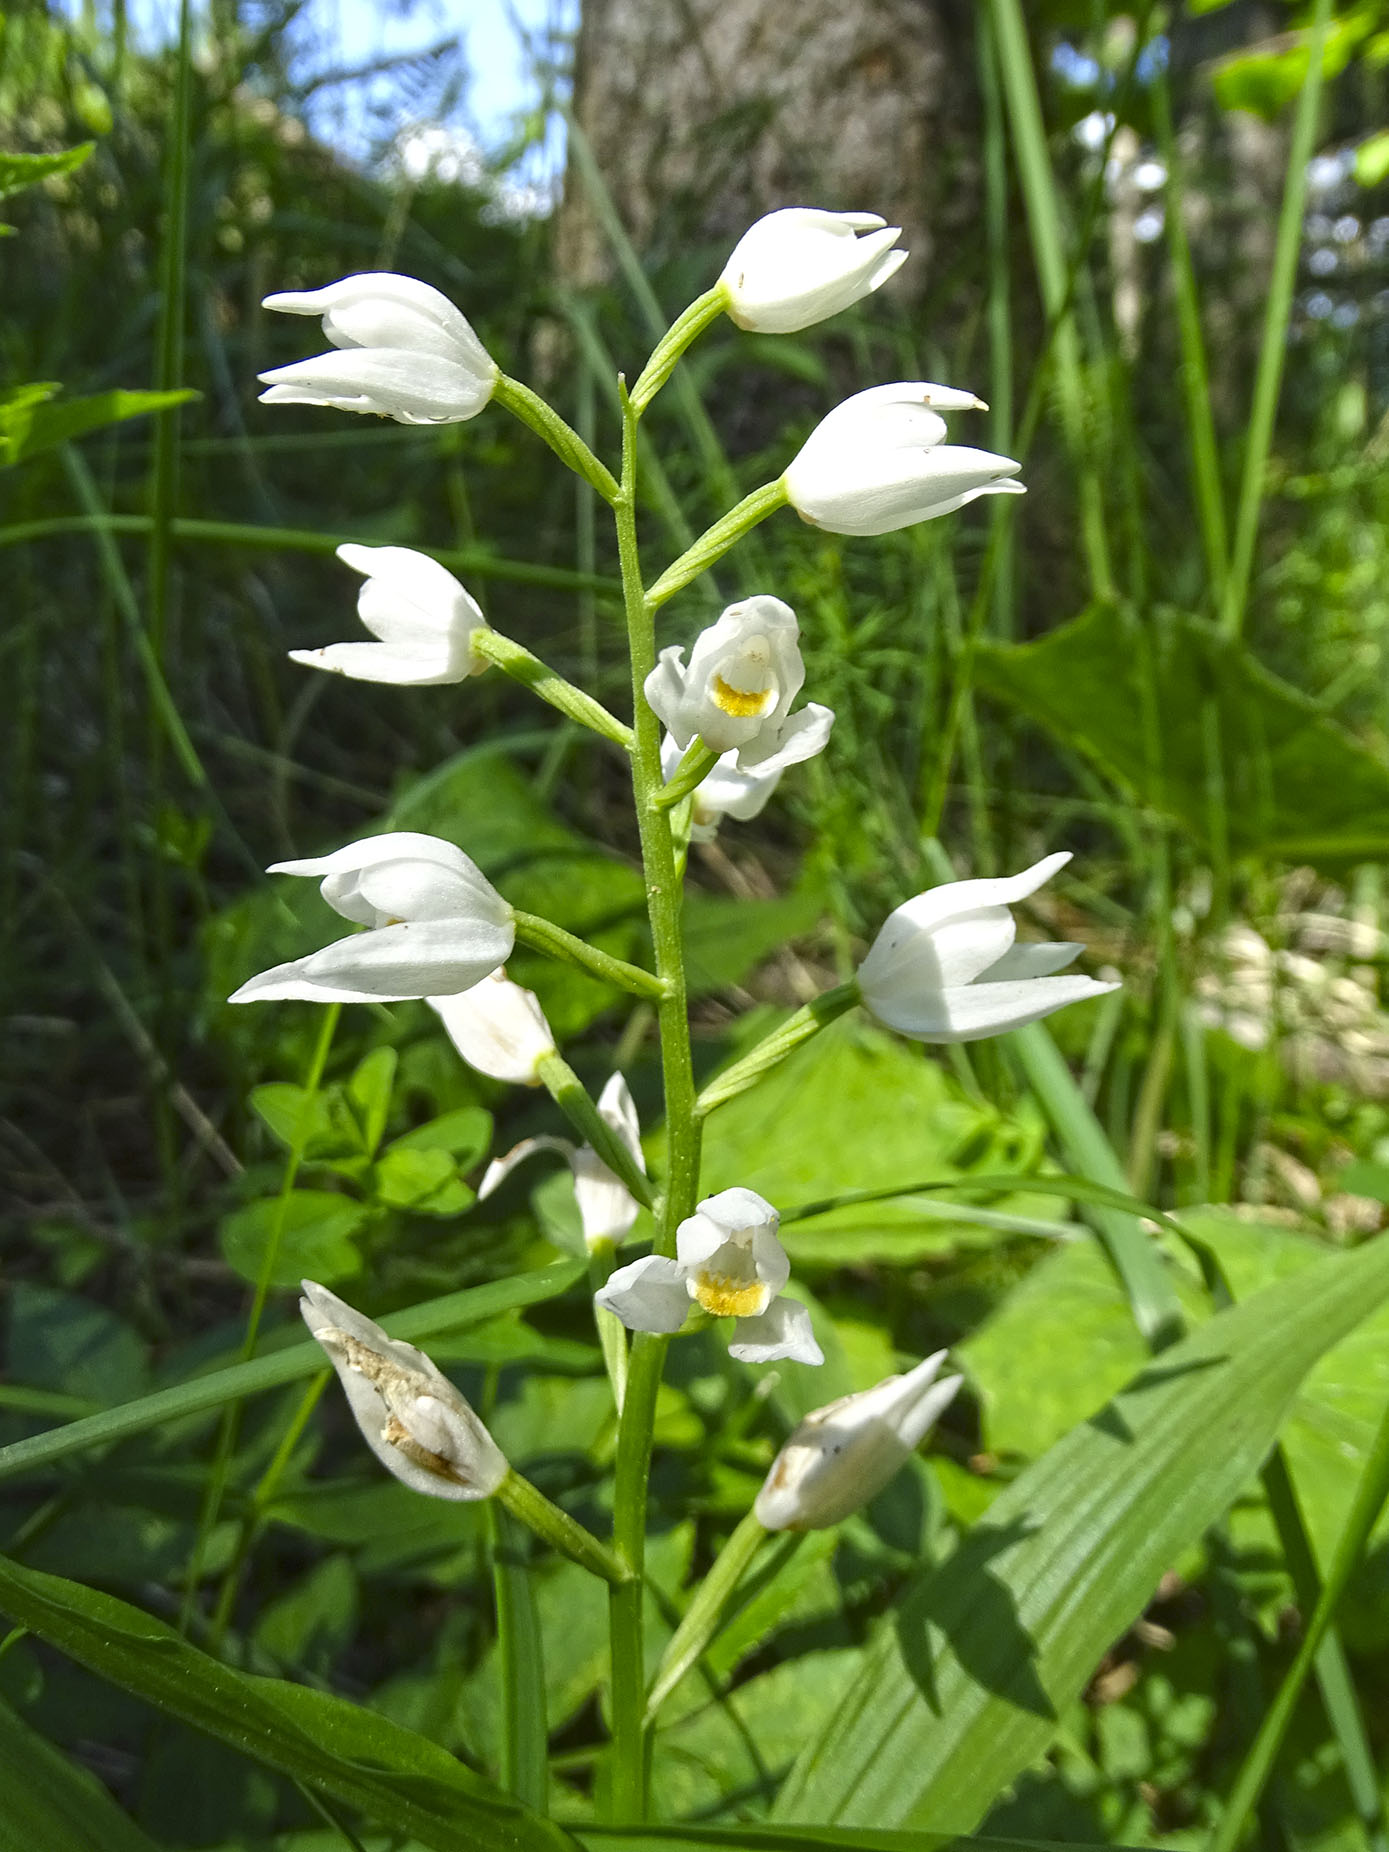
978, 1615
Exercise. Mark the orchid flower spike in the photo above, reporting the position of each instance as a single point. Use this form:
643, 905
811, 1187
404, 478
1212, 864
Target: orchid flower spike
436, 925
607, 1209
944, 967
421, 614
498, 1028
401, 349
744, 673
413, 1419
797, 267
842, 1455
731, 1263
725, 791
879, 462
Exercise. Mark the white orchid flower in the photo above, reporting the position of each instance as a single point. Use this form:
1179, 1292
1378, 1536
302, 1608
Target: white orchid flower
726, 791
797, 267
944, 967
436, 925
730, 1262
499, 1028
414, 1420
607, 1209
422, 616
879, 462
842, 1455
401, 349
744, 673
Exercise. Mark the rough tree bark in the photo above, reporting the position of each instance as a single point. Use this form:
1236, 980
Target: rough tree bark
704, 114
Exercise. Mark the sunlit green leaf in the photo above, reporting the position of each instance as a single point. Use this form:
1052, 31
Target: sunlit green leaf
18, 171
311, 1237
52, 1805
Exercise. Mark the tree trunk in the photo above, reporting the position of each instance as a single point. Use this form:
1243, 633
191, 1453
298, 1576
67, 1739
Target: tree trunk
704, 114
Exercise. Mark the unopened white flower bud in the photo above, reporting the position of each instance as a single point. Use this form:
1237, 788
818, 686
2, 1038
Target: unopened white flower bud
422, 617
879, 462
795, 267
412, 1417
401, 349
944, 966
842, 1455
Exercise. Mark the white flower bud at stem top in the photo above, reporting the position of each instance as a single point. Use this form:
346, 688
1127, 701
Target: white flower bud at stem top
607, 1208
436, 925
414, 1420
842, 1455
422, 616
499, 1028
796, 267
945, 968
744, 673
729, 1261
401, 349
879, 462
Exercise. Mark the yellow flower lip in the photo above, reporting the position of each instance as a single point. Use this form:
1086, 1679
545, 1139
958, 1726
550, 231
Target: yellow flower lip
743, 704
725, 1297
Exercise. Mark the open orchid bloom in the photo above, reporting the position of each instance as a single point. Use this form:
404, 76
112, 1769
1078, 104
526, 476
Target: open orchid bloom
726, 791
413, 1419
607, 1209
730, 1262
798, 266
842, 1455
880, 461
420, 614
744, 672
498, 1028
400, 349
945, 968
435, 925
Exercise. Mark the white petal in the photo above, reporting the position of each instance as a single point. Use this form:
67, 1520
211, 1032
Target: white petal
802, 736
782, 1331
291, 983
1035, 958
647, 1295
411, 388
411, 888
498, 1028
607, 1209
501, 1168
378, 662
981, 1009
730, 1215
390, 846
797, 266
905, 925
425, 958
665, 690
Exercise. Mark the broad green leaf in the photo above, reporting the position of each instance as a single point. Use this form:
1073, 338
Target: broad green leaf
855, 1108
370, 1092
454, 1312
464, 1133
62, 1341
330, 1132
1366, 1178
1372, 160
760, 1837
424, 1182
58, 422
1287, 783
315, 1231
393, 1775
18, 405
727, 937
966, 1688
18, 171
52, 1805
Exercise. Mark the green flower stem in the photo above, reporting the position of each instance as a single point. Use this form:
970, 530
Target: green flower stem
775, 1047
545, 936
693, 769
612, 1336
715, 541
663, 897
547, 424
515, 660
701, 1618
681, 335
571, 1096
530, 1506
